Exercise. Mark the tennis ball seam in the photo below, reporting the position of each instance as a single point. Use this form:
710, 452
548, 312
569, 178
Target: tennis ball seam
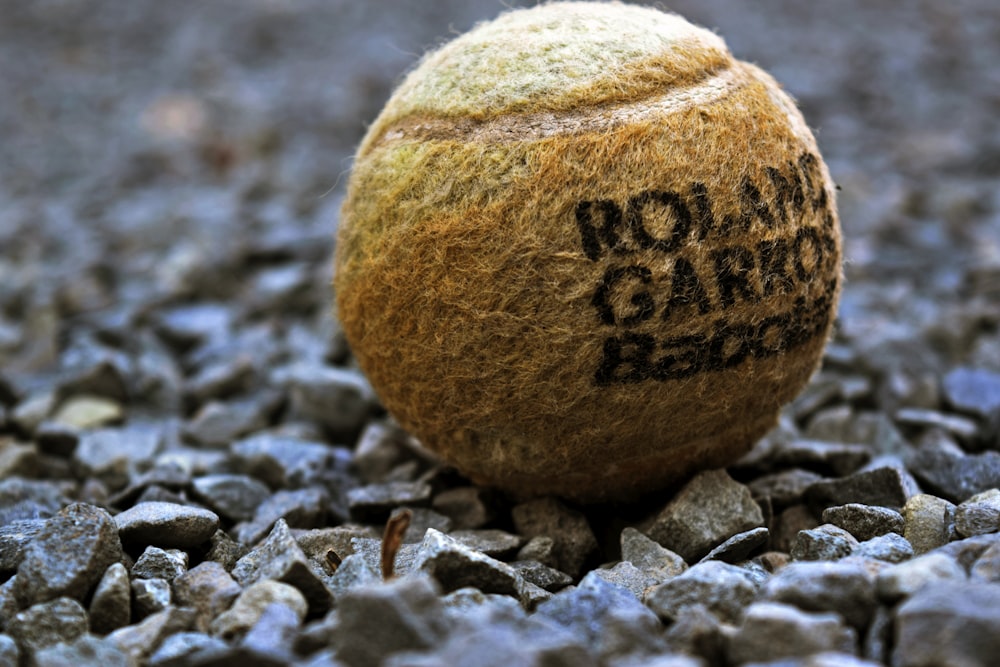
602, 117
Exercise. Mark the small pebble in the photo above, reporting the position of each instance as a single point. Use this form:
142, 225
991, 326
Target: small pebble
949, 623
974, 391
166, 525
723, 589
887, 486
979, 515
68, 556
906, 578
586, 608
280, 558
232, 497
846, 588
111, 606
150, 596
410, 617
825, 542
156, 563
208, 588
573, 540
48, 623
710, 509
865, 521
929, 522
891, 548
650, 556
250, 605
772, 631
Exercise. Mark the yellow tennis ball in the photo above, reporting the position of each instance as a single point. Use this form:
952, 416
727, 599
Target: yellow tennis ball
586, 252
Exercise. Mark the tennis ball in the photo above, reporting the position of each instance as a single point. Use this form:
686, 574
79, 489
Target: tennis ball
586, 252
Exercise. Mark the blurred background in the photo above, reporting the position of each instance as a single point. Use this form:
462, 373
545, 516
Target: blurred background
155, 153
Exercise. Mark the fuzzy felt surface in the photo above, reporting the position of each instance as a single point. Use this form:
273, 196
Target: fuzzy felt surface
589, 296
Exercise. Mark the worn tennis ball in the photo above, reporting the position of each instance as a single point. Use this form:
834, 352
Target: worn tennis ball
586, 252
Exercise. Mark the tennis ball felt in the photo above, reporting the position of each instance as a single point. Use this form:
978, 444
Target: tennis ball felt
586, 252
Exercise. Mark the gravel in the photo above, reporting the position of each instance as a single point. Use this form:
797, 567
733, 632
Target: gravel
194, 471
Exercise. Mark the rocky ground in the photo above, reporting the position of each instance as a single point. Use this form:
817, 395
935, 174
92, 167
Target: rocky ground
192, 472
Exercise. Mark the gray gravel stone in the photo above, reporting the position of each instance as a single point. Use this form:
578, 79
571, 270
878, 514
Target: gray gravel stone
492, 542
650, 556
14, 538
382, 447
48, 623
698, 632
410, 617
839, 457
587, 608
723, 589
140, 640
111, 606
844, 587
929, 522
906, 578
340, 400
168, 475
156, 563
456, 566
540, 548
467, 506
374, 502
150, 596
772, 631
282, 462
943, 469
825, 542
218, 423
966, 552
302, 508
18, 459
9, 653
280, 558
865, 521
979, 515
187, 326
114, 454
184, 647
960, 427
949, 623
354, 571
739, 547
422, 518
973, 390
249, 606
208, 589
783, 488
987, 566
22, 499
274, 633
233, 497
529, 642
888, 486
86, 650
891, 548
69, 556
573, 540
710, 509
627, 576
543, 576
8, 602
166, 525
225, 550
